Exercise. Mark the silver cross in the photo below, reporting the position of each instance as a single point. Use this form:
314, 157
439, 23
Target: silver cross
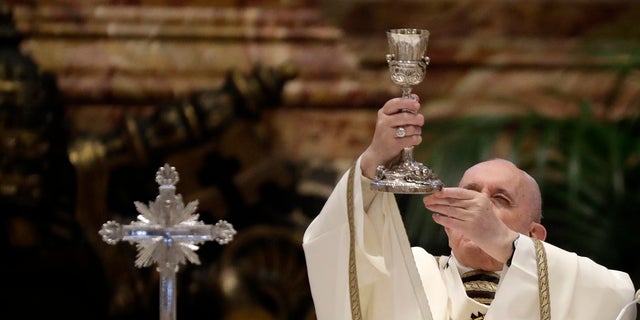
167, 233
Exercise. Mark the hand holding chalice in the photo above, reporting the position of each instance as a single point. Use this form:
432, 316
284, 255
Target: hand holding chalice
407, 64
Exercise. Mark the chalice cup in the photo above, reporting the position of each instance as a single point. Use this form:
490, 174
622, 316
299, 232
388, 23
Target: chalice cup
407, 64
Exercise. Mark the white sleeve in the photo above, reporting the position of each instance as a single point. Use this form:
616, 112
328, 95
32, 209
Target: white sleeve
382, 250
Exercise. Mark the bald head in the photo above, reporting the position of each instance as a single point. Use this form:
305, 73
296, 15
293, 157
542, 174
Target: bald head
501, 173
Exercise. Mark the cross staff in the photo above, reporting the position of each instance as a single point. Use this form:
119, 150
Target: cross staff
167, 233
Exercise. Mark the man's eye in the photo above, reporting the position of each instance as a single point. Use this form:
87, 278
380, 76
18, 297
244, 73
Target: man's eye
501, 200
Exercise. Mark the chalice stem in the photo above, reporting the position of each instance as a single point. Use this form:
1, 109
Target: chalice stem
407, 155
406, 92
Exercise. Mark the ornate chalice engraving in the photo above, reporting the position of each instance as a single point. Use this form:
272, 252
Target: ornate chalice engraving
407, 65
407, 73
167, 233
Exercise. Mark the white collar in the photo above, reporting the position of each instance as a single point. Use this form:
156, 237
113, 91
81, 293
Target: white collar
462, 269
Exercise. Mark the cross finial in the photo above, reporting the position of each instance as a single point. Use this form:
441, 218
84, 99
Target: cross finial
167, 176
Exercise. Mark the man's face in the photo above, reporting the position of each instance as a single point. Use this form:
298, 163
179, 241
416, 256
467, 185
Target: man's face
508, 190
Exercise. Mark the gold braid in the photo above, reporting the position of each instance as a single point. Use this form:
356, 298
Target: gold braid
543, 280
354, 292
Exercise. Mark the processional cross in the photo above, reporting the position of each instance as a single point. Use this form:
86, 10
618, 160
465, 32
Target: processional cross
167, 233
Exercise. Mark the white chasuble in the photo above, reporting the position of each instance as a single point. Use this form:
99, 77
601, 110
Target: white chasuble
389, 271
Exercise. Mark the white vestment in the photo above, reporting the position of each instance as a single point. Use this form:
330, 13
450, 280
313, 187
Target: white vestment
388, 270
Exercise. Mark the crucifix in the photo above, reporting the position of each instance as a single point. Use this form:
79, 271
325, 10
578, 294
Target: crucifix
167, 233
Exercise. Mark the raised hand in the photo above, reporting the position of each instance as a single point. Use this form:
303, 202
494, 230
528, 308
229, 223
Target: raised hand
471, 216
388, 141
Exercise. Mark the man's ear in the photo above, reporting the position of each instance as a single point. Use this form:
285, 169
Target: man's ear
538, 231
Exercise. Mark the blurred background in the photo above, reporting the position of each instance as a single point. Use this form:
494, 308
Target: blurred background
262, 105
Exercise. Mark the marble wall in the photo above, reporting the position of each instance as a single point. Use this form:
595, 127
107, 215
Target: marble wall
489, 57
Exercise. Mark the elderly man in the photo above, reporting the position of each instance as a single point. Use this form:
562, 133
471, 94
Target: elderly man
361, 265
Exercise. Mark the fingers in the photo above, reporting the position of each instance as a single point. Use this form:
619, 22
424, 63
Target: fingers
447, 221
398, 105
401, 113
456, 203
398, 126
407, 131
451, 194
454, 212
404, 137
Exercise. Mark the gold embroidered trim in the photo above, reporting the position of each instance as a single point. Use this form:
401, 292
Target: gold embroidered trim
354, 292
480, 285
485, 286
543, 280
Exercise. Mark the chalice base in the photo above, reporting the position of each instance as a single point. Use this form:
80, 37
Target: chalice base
406, 177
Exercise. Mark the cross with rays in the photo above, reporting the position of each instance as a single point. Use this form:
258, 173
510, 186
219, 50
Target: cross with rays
167, 233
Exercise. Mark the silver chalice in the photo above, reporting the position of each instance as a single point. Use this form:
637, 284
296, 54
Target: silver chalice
407, 65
